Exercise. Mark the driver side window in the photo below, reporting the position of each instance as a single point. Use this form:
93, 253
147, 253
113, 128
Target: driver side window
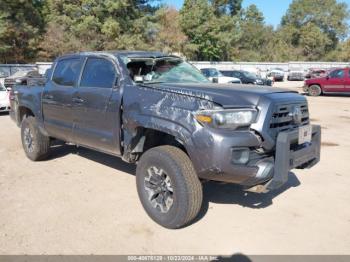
98, 72
213, 73
337, 74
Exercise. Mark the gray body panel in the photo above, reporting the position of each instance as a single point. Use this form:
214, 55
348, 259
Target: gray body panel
110, 120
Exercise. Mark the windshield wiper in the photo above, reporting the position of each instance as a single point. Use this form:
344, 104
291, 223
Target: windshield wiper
153, 82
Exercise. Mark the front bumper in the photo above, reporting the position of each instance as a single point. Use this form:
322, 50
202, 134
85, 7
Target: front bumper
263, 172
305, 88
5, 108
286, 159
278, 78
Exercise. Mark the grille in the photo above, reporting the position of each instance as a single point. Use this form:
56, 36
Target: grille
282, 118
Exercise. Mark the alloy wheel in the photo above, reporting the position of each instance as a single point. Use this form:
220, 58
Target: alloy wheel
158, 185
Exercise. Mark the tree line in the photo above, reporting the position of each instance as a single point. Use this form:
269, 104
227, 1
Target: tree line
214, 30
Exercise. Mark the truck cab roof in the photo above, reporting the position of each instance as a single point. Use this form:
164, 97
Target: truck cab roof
131, 54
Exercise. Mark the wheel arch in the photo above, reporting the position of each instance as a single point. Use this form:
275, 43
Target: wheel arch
23, 112
143, 137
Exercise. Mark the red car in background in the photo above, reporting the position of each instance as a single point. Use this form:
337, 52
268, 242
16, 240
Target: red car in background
336, 81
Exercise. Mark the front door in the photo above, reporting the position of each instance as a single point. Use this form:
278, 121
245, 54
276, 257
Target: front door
335, 82
57, 98
347, 81
96, 106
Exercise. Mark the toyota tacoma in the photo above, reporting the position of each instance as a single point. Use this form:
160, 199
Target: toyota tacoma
160, 112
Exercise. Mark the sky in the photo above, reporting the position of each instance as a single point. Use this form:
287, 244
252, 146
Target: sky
273, 10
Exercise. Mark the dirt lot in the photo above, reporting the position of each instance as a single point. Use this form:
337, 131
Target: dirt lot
83, 202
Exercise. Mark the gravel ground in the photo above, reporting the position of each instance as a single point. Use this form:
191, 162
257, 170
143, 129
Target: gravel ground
84, 202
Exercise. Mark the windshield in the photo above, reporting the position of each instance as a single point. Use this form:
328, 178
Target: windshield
211, 72
19, 74
165, 70
4, 71
22, 69
249, 74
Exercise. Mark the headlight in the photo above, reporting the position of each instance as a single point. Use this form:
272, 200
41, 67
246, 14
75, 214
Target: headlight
228, 119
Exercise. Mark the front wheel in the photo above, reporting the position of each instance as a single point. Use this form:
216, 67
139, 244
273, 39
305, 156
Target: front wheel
314, 90
168, 186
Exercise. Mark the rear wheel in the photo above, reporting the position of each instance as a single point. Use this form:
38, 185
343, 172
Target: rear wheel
168, 186
35, 144
314, 90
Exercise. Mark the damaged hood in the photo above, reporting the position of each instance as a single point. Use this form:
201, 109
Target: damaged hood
226, 95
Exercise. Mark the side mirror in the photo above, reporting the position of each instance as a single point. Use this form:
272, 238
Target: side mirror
215, 80
9, 89
138, 79
327, 77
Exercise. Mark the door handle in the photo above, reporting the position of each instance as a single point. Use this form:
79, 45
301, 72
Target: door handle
49, 97
78, 100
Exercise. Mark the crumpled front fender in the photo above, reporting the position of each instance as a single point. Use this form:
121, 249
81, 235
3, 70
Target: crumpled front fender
163, 111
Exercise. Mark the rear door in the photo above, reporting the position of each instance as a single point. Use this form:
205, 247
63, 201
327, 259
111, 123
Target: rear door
238, 75
335, 82
96, 106
57, 98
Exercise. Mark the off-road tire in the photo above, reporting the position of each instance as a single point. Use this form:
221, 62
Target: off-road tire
187, 189
314, 90
40, 143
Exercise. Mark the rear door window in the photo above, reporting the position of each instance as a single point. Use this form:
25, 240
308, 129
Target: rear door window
236, 74
67, 72
98, 72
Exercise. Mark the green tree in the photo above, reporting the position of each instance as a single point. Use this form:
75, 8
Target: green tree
255, 35
98, 25
278, 47
210, 36
169, 38
232, 7
341, 53
21, 24
315, 27
197, 22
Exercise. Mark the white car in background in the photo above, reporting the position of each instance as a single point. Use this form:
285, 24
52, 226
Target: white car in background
4, 99
277, 74
296, 74
216, 76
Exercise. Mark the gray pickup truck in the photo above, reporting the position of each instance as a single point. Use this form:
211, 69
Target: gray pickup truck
160, 112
